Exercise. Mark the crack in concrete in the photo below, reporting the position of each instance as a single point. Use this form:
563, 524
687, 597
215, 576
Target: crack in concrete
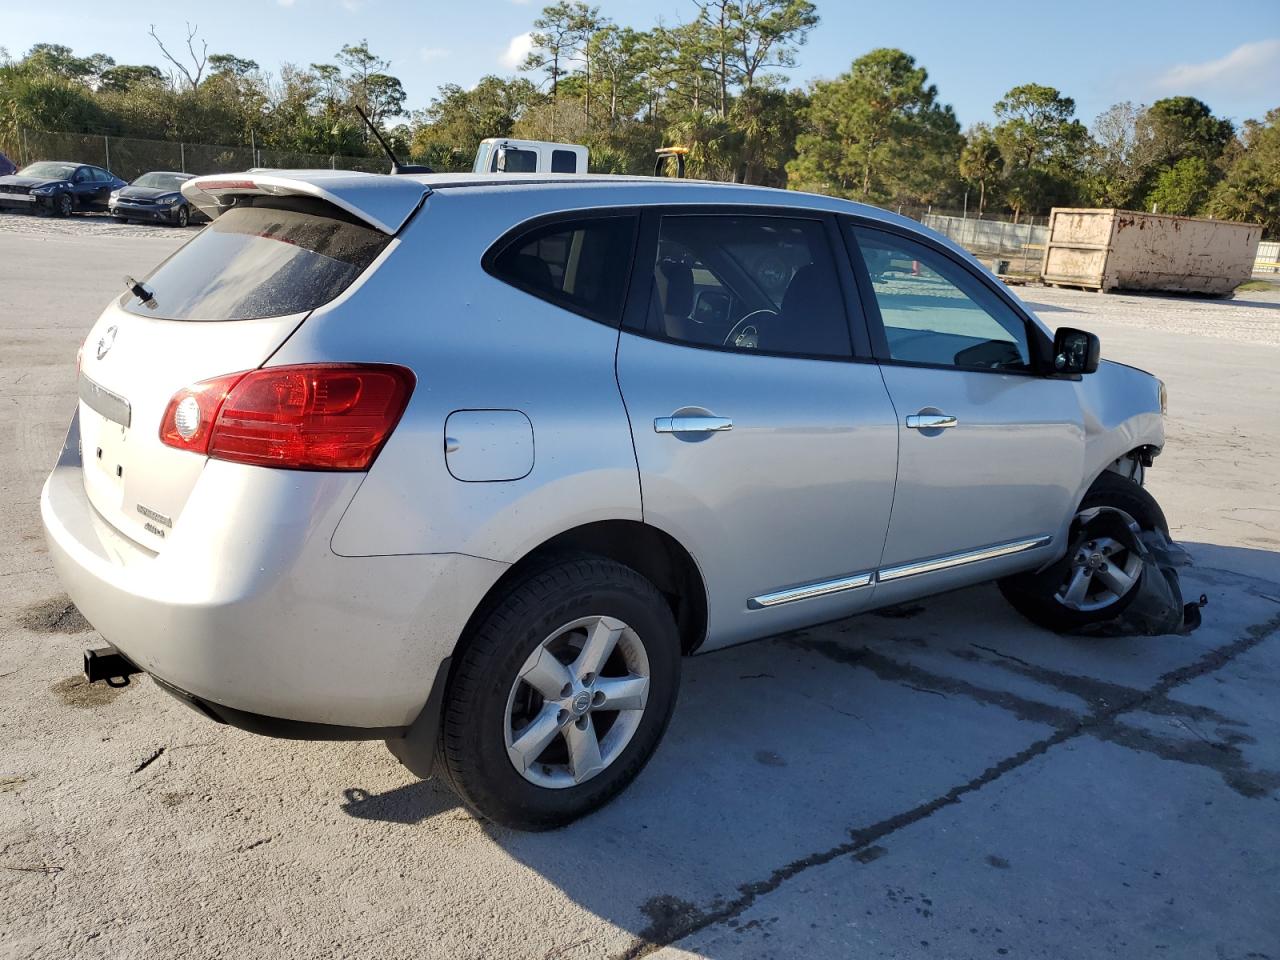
149, 761
680, 919
1004, 656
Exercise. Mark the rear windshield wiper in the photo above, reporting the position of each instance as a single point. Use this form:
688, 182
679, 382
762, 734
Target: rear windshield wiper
145, 296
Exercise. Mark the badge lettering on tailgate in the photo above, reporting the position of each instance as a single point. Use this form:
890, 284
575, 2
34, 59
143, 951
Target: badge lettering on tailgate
157, 517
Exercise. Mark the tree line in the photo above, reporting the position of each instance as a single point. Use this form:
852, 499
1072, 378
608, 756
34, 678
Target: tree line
717, 84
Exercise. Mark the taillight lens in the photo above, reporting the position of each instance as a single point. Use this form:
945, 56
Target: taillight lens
309, 417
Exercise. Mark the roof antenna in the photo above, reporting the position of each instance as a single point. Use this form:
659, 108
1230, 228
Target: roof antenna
396, 166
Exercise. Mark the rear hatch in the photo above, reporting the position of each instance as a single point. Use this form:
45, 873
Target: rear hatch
222, 304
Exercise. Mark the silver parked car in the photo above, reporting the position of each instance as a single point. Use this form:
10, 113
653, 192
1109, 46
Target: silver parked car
467, 464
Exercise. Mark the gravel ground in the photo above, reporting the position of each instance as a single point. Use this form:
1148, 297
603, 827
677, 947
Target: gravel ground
937, 780
83, 225
1252, 317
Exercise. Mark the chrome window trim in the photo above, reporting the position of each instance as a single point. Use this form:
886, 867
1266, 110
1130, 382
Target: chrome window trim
917, 567
822, 588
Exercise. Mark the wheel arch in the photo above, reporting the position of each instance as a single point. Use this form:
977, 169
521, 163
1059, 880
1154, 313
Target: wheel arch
1131, 465
650, 551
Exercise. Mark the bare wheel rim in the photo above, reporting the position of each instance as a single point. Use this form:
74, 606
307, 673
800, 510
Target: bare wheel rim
1102, 569
576, 702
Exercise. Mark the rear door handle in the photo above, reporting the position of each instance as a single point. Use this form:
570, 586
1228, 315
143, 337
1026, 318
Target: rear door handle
692, 424
930, 421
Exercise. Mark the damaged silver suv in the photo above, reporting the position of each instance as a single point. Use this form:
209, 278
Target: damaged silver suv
467, 464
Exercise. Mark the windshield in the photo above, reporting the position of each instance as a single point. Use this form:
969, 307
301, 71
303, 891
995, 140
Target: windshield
50, 169
162, 181
262, 261
482, 160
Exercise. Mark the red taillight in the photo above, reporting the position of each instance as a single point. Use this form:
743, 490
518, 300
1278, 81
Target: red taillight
311, 417
189, 419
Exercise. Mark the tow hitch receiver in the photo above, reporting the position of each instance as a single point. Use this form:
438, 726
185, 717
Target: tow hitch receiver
109, 664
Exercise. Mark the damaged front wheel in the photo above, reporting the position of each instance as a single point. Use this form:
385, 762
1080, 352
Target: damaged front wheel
1103, 569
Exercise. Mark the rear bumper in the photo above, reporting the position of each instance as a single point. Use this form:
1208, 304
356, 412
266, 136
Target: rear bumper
249, 612
277, 726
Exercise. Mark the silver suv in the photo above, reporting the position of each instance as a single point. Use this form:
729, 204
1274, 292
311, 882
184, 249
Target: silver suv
468, 463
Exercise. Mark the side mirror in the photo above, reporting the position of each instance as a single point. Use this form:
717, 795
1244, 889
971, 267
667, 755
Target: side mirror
1075, 351
500, 159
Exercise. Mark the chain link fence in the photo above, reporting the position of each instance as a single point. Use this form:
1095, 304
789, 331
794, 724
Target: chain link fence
1010, 248
1014, 248
128, 157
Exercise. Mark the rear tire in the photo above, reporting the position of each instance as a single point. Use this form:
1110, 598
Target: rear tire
528, 674
1036, 595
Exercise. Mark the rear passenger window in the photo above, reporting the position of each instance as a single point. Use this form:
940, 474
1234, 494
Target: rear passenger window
564, 161
749, 283
581, 265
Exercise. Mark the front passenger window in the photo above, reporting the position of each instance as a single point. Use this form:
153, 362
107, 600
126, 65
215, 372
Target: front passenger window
934, 311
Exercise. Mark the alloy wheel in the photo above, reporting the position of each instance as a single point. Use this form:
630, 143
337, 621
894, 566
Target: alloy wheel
1103, 568
576, 702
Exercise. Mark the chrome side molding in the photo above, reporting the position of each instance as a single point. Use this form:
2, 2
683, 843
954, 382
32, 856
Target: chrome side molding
809, 591
992, 552
825, 588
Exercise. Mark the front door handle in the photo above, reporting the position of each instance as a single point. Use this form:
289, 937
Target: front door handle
930, 421
692, 424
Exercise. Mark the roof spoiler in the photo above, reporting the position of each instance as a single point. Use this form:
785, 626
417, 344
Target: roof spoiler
384, 203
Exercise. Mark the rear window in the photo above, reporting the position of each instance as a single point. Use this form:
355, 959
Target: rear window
258, 261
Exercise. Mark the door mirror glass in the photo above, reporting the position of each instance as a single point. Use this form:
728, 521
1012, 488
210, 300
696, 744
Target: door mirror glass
1075, 351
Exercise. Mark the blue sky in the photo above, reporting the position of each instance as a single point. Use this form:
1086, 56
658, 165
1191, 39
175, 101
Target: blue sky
1226, 52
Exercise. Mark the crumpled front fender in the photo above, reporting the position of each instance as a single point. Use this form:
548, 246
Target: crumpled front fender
1121, 408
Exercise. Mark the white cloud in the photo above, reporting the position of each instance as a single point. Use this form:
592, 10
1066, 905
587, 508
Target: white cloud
428, 54
517, 50
286, 3
1249, 67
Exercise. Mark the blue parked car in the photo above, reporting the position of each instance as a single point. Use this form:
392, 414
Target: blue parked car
154, 196
59, 187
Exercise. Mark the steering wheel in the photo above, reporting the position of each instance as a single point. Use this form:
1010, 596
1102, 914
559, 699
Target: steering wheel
745, 335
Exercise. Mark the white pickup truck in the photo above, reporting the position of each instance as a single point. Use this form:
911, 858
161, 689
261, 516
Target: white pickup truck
504, 155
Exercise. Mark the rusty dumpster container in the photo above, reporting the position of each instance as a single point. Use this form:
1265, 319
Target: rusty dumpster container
1107, 249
